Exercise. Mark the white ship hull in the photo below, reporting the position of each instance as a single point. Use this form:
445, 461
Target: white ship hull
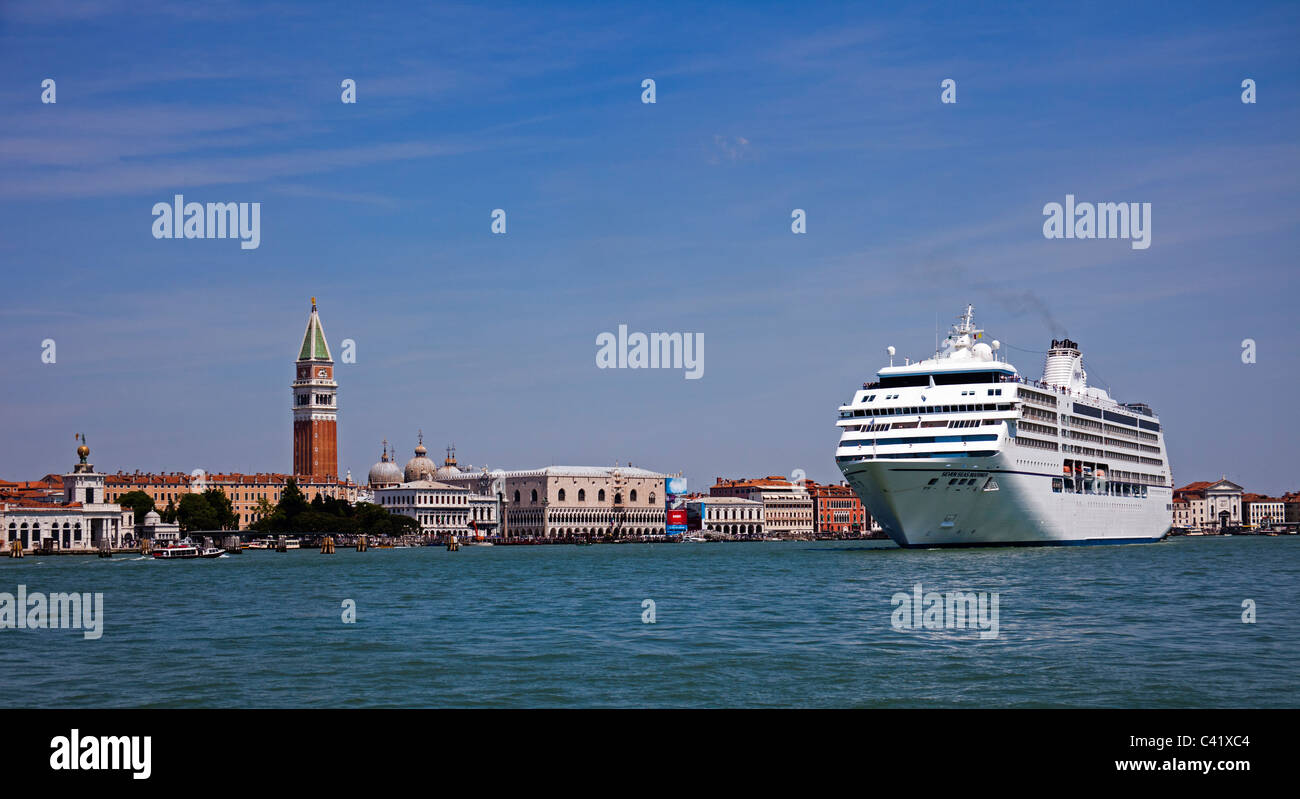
1022, 511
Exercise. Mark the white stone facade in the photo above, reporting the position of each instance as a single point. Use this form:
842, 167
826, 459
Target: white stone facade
731, 516
84, 521
441, 509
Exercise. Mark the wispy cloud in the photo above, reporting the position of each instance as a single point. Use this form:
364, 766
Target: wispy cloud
731, 149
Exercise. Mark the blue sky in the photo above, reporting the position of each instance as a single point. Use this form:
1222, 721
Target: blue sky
176, 355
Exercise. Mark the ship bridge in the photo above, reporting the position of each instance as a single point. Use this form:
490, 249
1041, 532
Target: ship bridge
953, 405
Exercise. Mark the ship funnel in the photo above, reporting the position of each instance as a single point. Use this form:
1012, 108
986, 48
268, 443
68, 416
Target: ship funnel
1064, 366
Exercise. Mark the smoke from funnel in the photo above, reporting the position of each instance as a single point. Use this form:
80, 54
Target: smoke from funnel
1023, 302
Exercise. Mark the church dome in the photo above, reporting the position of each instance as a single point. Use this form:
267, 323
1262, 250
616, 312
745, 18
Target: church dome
449, 467
420, 467
152, 518
386, 472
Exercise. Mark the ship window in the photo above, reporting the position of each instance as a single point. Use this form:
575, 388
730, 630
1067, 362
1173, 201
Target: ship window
1056, 485
933, 480
952, 481
904, 381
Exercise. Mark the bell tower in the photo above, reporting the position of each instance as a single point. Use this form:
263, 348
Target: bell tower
315, 408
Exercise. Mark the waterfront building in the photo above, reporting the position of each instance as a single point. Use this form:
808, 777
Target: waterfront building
441, 509
555, 501
245, 491
787, 507
569, 501
1182, 513
315, 406
730, 516
580, 501
48, 489
1292, 513
160, 532
837, 509
84, 518
1223, 504
1261, 511
1192, 507
1211, 506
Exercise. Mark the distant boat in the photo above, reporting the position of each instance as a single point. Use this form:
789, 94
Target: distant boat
211, 552
177, 552
694, 539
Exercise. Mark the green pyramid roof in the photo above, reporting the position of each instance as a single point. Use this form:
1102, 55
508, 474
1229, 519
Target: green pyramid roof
314, 347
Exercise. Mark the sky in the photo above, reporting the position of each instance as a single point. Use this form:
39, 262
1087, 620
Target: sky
174, 355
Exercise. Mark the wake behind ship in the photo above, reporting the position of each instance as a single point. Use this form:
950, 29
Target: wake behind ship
959, 450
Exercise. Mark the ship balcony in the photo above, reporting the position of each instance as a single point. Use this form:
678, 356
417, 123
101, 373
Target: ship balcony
981, 444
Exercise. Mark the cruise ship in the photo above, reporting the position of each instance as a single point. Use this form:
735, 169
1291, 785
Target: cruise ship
960, 450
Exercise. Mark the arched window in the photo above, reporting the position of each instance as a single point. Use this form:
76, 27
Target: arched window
534, 495
601, 495
618, 499
582, 495
516, 497
561, 494
633, 495
652, 497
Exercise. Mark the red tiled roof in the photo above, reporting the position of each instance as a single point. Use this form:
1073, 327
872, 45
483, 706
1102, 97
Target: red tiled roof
180, 478
37, 505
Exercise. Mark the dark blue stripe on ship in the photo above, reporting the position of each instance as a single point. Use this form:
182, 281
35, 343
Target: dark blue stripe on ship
1085, 542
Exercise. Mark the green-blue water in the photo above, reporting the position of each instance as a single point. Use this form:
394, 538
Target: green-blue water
763, 624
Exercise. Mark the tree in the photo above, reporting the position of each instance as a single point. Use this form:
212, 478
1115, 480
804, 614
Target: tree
196, 513
221, 506
264, 507
169, 513
374, 519
292, 501
139, 502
